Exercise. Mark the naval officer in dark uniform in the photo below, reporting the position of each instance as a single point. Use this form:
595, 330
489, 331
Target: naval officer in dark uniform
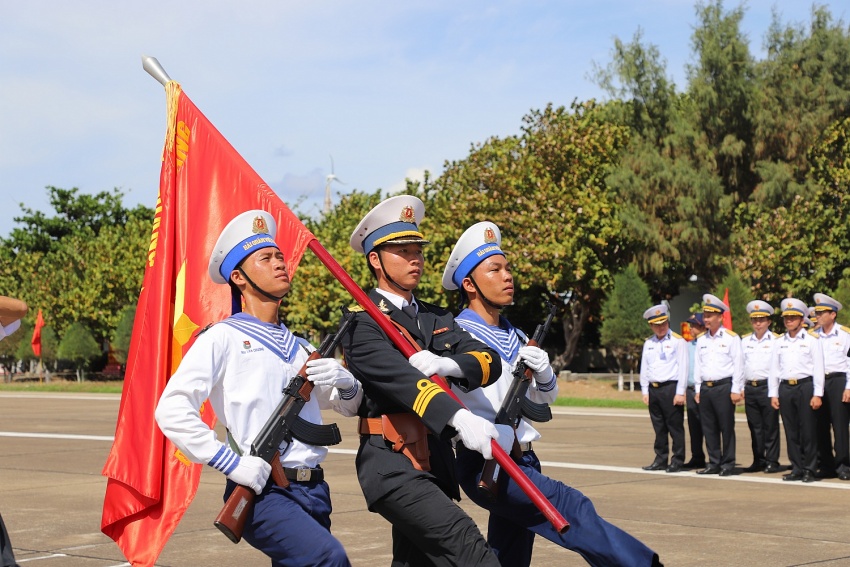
412, 483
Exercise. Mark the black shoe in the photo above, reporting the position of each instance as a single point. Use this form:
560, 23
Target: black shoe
792, 476
772, 468
656, 466
844, 475
694, 464
710, 469
674, 467
755, 467
808, 476
726, 472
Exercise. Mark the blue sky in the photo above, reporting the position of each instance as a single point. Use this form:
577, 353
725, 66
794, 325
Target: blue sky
389, 89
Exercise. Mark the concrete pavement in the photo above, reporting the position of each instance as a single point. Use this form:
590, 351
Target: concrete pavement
53, 446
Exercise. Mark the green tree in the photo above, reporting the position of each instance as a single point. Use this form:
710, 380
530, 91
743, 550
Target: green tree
720, 85
79, 347
624, 329
123, 333
545, 189
802, 87
77, 264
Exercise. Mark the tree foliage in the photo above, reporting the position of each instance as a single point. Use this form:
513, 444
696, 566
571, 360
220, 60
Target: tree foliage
624, 329
79, 347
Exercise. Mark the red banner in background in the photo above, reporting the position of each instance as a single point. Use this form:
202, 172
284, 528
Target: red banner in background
204, 183
36, 335
727, 315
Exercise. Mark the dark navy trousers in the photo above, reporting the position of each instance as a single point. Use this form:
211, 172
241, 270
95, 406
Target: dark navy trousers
514, 519
292, 525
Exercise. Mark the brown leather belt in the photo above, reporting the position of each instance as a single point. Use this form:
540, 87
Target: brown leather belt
405, 431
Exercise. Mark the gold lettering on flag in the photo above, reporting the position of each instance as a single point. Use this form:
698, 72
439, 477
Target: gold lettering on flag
182, 150
182, 330
157, 220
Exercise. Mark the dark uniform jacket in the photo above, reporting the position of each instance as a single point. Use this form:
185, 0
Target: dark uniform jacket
392, 385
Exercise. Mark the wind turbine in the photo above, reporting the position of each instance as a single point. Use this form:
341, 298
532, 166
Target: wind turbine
328, 180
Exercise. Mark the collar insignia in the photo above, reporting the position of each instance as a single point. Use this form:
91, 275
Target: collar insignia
382, 305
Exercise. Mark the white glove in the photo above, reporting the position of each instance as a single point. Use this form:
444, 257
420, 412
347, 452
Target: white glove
475, 432
329, 372
538, 361
429, 364
252, 472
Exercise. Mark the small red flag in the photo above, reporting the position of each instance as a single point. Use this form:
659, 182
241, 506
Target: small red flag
204, 183
727, 315
36, 335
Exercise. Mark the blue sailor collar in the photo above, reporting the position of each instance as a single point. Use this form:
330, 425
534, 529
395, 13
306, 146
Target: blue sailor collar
504, 339
277, 338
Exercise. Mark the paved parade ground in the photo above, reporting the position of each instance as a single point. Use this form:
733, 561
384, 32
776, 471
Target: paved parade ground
51, 494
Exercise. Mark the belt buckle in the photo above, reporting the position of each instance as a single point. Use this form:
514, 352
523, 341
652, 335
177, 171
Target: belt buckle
792, 382
302, 475
710, 384
655, 384
754, 383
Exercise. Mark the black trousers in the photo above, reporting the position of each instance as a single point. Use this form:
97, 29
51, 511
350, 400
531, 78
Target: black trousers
800, 422
7, 557
718, 423
695, 426
667, 419
833, 424
763, 422
430, 529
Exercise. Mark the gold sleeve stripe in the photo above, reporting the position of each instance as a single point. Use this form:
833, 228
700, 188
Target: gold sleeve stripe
427, 391
484, 359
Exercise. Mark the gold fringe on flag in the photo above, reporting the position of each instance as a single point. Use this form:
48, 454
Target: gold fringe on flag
172, 96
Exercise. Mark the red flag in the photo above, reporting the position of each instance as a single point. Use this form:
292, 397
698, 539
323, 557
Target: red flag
204, 183
727, 315
36, 335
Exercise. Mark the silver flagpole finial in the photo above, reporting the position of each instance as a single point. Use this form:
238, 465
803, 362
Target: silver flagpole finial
152, 66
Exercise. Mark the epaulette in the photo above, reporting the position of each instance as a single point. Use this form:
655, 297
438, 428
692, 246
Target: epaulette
731, 332
843, 328
702, 334
204, 330
745, 336
355, 308
775, 335
814, 333
676, 335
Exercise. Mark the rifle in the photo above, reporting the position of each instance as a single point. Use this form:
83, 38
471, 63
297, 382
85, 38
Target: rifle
516, 406
282, 426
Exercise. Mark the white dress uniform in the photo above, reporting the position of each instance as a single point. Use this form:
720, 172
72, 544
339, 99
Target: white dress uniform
762, 418
796, 376
243, 379
834, 415
242, 365
663, 376
718, 373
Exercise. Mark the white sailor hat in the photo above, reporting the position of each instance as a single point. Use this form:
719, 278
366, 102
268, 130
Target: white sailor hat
758, 308
713, 304
793, 307
478, 242
824, 302
395, 219
656, 314
244, 235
